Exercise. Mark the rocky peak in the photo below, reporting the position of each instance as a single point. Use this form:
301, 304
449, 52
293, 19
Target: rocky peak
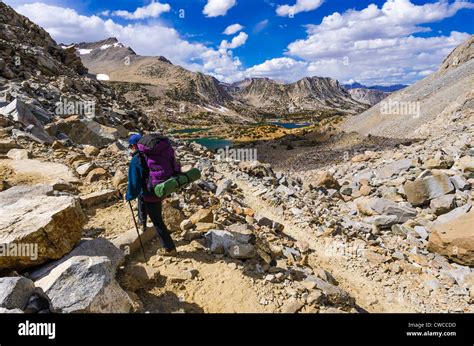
27, 49
108, 46
460, 55
368, 96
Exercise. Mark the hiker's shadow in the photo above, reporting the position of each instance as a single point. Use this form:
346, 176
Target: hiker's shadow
167, 302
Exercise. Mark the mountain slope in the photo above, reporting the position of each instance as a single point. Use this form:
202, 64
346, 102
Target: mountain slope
367, 96
121, 63
160, 88
304, 96
25, 49
178, 88
427, 106
43, 85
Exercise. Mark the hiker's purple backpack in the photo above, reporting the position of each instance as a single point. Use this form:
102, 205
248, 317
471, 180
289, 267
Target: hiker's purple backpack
160, 159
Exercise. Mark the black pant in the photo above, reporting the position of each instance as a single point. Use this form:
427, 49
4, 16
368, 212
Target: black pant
153, 210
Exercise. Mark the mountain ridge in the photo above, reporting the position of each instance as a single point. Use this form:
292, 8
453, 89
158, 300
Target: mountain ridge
250, 96
384, 88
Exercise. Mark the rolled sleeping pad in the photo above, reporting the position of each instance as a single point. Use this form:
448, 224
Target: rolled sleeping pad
176, 183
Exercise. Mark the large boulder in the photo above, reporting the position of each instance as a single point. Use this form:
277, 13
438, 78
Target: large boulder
99, 197
6, 145
85, 131
202, 215
334, 295
443, 204
35, 228
29, 116
129, 242
465, 164
15, 292
453, 214
85, 284
455, 239
421, 191
19, 154
172, 216
242, 251
325, 179
41, 172
234, 244
386, 207
86, 247
120, 178
393, 168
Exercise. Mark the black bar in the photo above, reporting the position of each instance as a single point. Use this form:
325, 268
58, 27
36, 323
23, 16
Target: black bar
210, 329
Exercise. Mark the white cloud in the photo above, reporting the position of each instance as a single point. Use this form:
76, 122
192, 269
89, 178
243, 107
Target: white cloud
233, 29
372, 46
375, 45
237, 41
260, 26
68, 26
215, 8
300, 6
105, 13
279, 68
153, 10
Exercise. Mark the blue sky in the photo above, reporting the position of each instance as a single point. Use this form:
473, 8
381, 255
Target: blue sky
373, 42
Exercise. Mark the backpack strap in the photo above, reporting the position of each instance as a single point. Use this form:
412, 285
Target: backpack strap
143, 163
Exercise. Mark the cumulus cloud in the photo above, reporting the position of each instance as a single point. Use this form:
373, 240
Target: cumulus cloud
233, 29
215, 8
68, 26
300, 6
237, 41
372, 45
286, 69
153, 10
375, 45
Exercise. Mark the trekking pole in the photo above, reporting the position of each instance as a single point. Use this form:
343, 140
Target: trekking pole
138, 232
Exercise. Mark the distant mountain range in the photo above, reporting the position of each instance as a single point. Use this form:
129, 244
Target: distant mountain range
173, 88
384, 88
368, 96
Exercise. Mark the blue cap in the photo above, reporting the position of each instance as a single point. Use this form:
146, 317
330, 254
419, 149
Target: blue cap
133, 140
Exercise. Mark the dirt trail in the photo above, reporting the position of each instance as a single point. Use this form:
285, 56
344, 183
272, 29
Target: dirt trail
219, 284
369, 294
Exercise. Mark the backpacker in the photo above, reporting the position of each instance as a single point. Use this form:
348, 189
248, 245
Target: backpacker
164, 175
158, 157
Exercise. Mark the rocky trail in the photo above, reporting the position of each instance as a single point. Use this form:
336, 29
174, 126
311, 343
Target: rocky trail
368, 293
254, 240
343, 223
